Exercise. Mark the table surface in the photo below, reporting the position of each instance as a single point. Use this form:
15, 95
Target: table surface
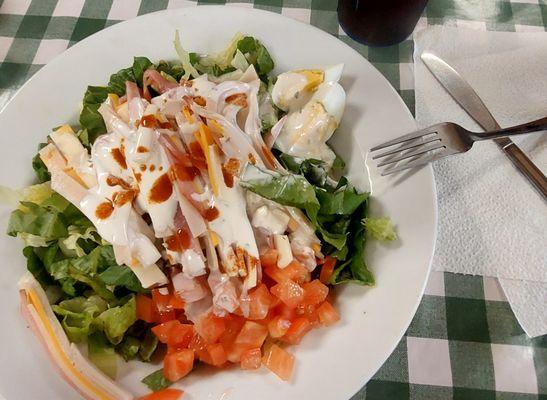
464, 342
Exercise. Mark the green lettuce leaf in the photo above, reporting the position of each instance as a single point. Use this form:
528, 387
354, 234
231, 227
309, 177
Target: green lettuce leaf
380, 229
149, 345
39, 221
175, 71
102, 354
129, 348
336, 213
256, 54
355, 269
115, 321
121, 275
78, 315
42, 174
156, 381
140, 64
36, 267
290, 189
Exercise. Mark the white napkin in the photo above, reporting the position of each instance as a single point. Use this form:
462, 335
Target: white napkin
491, 221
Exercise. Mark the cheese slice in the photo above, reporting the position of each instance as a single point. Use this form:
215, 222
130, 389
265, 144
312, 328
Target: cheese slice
78, 371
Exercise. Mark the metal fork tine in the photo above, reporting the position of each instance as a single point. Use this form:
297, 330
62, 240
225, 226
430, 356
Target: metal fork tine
405, 138
416, 152
406, 147
416, 163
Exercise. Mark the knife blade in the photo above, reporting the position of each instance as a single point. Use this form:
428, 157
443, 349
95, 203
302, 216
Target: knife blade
469, 100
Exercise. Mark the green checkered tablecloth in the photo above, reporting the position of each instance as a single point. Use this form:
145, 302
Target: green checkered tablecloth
464, 342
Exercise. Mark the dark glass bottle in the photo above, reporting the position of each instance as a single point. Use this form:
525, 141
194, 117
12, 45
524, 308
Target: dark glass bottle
379, 22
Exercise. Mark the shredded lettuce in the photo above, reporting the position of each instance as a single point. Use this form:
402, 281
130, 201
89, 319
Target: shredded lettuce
224, 58
102, 354
115, 321
189, 70
78, 315
333, 209
257, 54
156, 381
149, 345
380, 228
74, 245
40, 169
239, 61
129, 348
121, 275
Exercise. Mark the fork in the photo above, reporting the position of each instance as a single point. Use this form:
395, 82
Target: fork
441, 140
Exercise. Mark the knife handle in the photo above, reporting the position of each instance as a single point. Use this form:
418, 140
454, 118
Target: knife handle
526, 167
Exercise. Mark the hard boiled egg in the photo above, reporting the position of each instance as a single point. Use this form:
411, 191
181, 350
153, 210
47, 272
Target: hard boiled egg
307, 130
293, 89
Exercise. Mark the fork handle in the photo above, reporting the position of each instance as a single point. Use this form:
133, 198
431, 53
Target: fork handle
529, 127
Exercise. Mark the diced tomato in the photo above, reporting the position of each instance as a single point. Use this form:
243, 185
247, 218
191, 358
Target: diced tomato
165, 394
211, 327
178, 364
260, 302
163, 330
161, 300
251, 335
278, 326
275, 273
297, 272
198, 345
282, 310
180, 335
234, 323
214, 354
294, 271
167, 316
269, 258
251, 359
314, 292
299, 327
146, 310
327, 269
289, 293
176, 302
327, 314
279, 361
309, 311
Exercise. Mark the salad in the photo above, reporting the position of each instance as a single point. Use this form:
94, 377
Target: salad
198, 215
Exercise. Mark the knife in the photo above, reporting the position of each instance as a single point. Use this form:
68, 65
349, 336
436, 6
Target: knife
470, 101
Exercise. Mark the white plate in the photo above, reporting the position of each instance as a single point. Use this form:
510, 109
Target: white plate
331, 363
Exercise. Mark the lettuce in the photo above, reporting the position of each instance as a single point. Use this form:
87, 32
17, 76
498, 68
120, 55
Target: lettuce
91, 120
335, 210
78, 315
290, 189
40, 169
156, 381
355, 269
224, 58
256, 54
39, 221
129, 348
121, 275
149, 345
380, 228
36, 267
115, 321
102, 354
74, 245
184, 56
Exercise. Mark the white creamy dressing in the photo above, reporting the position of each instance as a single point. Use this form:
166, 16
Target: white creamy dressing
315, 104
134, 156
